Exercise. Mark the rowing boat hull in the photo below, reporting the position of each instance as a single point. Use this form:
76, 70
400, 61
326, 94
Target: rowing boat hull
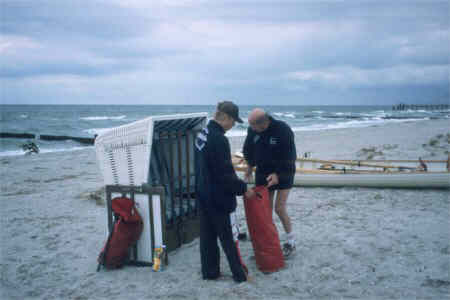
400, 180
423, 180
377, 174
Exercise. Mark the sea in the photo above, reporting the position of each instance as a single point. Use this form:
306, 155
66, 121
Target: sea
89, 120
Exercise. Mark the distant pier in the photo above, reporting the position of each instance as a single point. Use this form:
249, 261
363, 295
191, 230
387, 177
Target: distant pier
402, 106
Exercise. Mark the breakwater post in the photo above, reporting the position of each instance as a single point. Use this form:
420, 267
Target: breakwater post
403, 106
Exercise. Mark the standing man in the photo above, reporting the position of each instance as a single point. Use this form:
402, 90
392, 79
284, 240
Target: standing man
216, 188
270, 146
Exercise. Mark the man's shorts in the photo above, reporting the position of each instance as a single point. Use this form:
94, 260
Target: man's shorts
286, 180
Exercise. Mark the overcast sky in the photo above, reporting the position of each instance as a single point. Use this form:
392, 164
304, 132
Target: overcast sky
198, 52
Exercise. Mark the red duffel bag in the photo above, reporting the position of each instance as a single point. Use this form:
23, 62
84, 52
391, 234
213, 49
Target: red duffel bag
263, 232
126, 232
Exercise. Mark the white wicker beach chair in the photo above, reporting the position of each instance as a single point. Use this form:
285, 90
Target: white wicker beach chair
157, 151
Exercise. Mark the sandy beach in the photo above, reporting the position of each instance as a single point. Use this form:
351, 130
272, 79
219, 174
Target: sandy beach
354, 243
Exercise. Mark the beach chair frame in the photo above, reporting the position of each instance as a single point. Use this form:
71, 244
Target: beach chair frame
159, 152
149, 202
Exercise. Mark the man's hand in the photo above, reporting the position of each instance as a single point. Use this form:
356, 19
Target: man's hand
250, 194
272, 179
248, 176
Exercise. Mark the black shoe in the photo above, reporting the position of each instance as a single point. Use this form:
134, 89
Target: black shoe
288, 250
213, 277
241, 279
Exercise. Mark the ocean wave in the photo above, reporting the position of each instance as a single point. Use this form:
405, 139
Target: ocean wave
242, 126
423, 111
97, 131
404, 118
375, 113
355, 124
42, 150
11, 153
366, 122
284, 114
341, 116
416, 111
236, 133
333, 116
102, 118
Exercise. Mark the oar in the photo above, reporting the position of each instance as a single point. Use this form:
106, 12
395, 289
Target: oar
391, 160
351, 163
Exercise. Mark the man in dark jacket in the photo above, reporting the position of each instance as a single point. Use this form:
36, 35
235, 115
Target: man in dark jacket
216, 188
270, 146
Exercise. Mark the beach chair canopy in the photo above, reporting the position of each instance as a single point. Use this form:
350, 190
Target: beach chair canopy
147, 150
158, 151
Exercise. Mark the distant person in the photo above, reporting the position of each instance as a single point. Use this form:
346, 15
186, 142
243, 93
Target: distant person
270, 146
216, 187
30, 148
422, 165
448, 163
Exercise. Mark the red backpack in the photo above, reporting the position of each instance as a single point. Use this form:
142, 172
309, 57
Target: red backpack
126, 232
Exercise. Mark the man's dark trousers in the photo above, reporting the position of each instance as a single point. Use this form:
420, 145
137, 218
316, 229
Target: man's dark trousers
213, 226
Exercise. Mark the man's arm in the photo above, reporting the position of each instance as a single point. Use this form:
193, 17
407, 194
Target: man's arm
248, 148
248, 155
288, 153
223, 168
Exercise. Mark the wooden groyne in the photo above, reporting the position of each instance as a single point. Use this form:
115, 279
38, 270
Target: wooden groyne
17, 135
402, 106
82, 140
89, 141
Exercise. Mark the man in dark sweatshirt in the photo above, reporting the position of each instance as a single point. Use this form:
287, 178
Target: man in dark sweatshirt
216, 188
270, 146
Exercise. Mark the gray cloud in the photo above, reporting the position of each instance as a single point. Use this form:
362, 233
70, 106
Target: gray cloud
261, 52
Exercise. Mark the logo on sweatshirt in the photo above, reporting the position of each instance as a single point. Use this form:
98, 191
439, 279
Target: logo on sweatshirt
202, 138
273, 141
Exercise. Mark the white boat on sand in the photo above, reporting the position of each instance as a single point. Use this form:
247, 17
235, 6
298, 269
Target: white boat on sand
366, 173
